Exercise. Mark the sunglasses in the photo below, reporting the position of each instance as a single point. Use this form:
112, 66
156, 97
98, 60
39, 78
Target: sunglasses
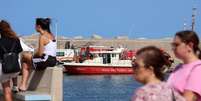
135, 65
175, 44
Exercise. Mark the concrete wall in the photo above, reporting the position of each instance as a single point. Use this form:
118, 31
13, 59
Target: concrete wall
47, 84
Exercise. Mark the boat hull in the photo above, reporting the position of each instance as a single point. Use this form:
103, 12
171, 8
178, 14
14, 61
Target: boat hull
97, 70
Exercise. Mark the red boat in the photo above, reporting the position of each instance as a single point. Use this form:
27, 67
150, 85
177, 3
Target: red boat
101, 60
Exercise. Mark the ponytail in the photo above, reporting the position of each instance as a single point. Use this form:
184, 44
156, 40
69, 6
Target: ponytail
44, 23
198, 53
168, 61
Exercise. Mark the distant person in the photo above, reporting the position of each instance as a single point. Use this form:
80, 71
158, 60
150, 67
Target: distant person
186, 76
7, 38
45, 54
148, 69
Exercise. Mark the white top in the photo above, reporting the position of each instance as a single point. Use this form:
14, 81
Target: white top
50, 48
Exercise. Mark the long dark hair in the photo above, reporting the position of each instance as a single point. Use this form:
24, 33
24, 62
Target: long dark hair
6, 30
44, 23
153, 56
188, 36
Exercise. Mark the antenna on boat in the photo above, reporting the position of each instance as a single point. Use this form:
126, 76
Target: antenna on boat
56, 30
193, 18
185, 25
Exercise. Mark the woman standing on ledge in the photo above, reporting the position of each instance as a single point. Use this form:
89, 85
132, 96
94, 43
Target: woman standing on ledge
7, 38
186, 76
44, 56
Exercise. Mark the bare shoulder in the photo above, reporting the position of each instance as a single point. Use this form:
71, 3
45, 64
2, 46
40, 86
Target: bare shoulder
48, 37
42, 39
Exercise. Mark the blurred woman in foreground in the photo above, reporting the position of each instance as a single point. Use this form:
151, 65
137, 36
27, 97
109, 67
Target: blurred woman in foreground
148, 69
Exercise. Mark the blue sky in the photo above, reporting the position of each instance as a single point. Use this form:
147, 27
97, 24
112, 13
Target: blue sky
108, 18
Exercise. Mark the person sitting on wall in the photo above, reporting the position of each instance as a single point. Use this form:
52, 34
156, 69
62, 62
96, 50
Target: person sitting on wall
45, 55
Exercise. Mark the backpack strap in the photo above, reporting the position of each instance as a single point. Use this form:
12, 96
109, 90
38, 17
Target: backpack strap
12, 48
4, 49
173, 95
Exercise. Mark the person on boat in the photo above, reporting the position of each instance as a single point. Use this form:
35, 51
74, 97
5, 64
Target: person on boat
7, 38
185, 78
148, 69
45, 54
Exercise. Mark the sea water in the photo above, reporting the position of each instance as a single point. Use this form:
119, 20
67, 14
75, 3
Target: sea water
99, 87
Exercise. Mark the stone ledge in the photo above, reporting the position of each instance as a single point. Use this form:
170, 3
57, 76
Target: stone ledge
44, 85
32, 96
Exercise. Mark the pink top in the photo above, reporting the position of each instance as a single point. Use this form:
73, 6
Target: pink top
156, 92
187, 77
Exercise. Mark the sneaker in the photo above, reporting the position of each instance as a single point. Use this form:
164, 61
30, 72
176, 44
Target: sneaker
15, 89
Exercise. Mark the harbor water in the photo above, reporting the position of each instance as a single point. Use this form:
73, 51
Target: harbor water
99, 87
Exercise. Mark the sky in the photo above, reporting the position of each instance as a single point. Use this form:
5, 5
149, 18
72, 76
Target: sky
107, 18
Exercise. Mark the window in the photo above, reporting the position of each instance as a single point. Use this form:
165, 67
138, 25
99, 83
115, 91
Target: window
113, 55
60, 53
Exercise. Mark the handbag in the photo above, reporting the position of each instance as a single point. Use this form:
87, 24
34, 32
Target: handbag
10, 63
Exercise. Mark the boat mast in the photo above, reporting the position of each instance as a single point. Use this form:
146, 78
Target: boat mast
185, 25
193, 18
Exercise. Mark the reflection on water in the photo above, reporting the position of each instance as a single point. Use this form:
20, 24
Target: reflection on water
99, 87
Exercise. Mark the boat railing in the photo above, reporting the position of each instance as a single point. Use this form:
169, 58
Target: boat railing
96, 60
121, 62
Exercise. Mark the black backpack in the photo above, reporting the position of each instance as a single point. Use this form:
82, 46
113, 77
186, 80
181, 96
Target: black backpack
10, 63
